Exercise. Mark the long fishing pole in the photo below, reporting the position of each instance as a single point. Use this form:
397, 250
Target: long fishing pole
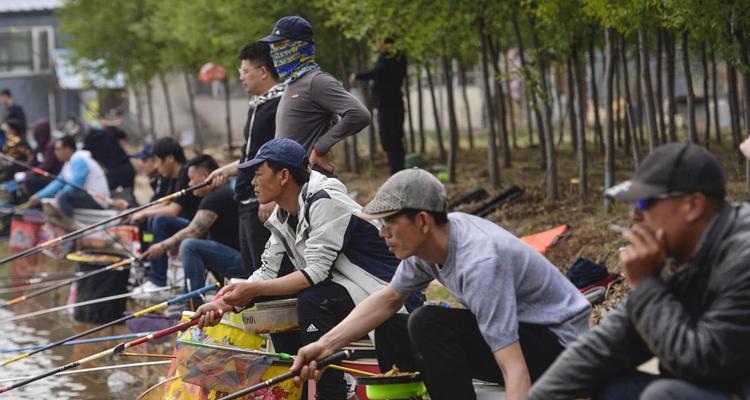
341, 355
95, 369
47, 289
145, 311
75, 234
30, 286
54, 177
80, 341
79, 304
113, 351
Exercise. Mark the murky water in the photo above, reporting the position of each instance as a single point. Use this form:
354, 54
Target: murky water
112, 384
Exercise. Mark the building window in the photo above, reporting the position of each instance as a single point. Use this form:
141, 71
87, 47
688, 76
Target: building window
24, 50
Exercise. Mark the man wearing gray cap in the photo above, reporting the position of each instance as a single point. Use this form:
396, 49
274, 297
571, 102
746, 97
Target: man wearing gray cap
688, 264
519, 310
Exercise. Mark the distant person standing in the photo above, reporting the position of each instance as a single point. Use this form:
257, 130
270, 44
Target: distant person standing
315, 110
13, 110
388, 77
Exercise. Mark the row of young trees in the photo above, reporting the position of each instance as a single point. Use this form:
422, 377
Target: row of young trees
555, 41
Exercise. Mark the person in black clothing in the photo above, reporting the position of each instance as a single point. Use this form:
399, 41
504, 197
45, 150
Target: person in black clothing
260, 79
13, 110
388, 76
217, 216
105, 148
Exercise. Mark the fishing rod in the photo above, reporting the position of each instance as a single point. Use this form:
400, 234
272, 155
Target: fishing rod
31, 286
145, 311
96, 369
120, 348
54, 177
79, 304
75, 234
47, 289
341, 355
80, 341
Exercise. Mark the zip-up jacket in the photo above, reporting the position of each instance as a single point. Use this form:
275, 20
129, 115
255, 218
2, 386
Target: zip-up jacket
695, 318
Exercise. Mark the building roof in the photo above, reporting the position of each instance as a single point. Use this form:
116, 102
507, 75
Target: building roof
9, 6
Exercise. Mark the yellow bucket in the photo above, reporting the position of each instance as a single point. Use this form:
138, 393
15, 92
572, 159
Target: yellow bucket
230, 332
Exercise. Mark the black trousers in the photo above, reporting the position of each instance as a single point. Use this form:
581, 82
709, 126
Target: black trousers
253, 236
450, 351
391, 124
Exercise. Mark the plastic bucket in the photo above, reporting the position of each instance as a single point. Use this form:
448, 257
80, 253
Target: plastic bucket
25, 230
100, 285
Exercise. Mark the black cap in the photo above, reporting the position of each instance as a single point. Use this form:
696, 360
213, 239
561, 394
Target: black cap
292, 28
674, 167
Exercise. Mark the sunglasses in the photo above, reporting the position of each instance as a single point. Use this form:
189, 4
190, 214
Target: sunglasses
644, 204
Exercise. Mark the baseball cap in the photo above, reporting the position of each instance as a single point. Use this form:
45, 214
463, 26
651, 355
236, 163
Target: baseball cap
284, 151
412, 188
674, 167
145, 153
290, 27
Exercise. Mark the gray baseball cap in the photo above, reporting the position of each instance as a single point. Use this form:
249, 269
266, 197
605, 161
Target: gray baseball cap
412, 188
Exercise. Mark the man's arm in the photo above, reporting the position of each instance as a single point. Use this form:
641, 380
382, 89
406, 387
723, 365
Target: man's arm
198, 227
366, 316
331, 96
79, 169
515, 373
222, 175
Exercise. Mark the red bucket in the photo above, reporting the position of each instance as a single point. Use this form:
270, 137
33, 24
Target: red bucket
23, 234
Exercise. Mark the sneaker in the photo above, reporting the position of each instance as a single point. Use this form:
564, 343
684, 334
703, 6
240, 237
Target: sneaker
152, 291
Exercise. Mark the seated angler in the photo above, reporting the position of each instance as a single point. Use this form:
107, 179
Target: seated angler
217, 217
339, 258
81, 170
520, 311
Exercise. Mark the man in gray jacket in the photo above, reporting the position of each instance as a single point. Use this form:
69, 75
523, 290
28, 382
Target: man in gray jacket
688, 264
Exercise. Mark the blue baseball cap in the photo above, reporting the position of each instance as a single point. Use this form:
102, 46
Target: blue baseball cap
292, 28
147, 152
284, 151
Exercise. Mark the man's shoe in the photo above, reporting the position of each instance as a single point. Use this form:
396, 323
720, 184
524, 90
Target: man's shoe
152, 291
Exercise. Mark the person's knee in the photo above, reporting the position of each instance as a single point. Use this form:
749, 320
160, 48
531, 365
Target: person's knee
421, 321
189, 247
665, 389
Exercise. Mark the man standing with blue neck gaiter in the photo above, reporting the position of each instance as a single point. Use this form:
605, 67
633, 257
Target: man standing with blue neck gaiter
315, 110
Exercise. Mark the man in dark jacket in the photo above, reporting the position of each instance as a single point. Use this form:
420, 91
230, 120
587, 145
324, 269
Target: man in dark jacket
13, 110
688, 264
388, 77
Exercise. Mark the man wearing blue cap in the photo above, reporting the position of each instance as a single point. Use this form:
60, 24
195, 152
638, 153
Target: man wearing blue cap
338, 257
315, 110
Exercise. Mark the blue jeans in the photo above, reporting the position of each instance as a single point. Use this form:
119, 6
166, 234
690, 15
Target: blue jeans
200, 256
641, 386
67, 200
163, 227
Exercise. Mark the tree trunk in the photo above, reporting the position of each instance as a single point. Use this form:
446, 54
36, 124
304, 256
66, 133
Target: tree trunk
511, 113
549, 135
372, 145
653, 130
638, 101
659, 83
580, 77
733, 103
555, 85
715, 94
467, 107
436, 115
193, 112
452, 122
706, 103
670, 43
618, 106
139, 110
500, 103
228, 108
530, 92
407, 86
629, 114
168, 102
150, 103
420, 110
745, 61
692, 129
494, 169
598, 135
609, 138
571, 99
351, 156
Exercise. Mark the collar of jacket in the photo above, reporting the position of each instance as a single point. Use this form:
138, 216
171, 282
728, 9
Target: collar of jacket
275, 92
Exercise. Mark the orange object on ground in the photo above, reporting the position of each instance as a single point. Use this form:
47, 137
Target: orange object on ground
542, 241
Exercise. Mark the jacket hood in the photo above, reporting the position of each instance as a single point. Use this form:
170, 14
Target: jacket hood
319, 182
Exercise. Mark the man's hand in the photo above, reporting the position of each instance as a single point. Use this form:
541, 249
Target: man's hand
120, 204
324, 161
210, 313
239, 294
33, 200
352, 79
218, 176
155, 251
646, 255
137, 218
265, 210
305, 361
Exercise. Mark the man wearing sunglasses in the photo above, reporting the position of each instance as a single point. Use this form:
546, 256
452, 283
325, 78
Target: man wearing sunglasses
688, 264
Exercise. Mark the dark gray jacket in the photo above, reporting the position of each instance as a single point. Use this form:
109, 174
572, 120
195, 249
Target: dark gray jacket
696, 321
